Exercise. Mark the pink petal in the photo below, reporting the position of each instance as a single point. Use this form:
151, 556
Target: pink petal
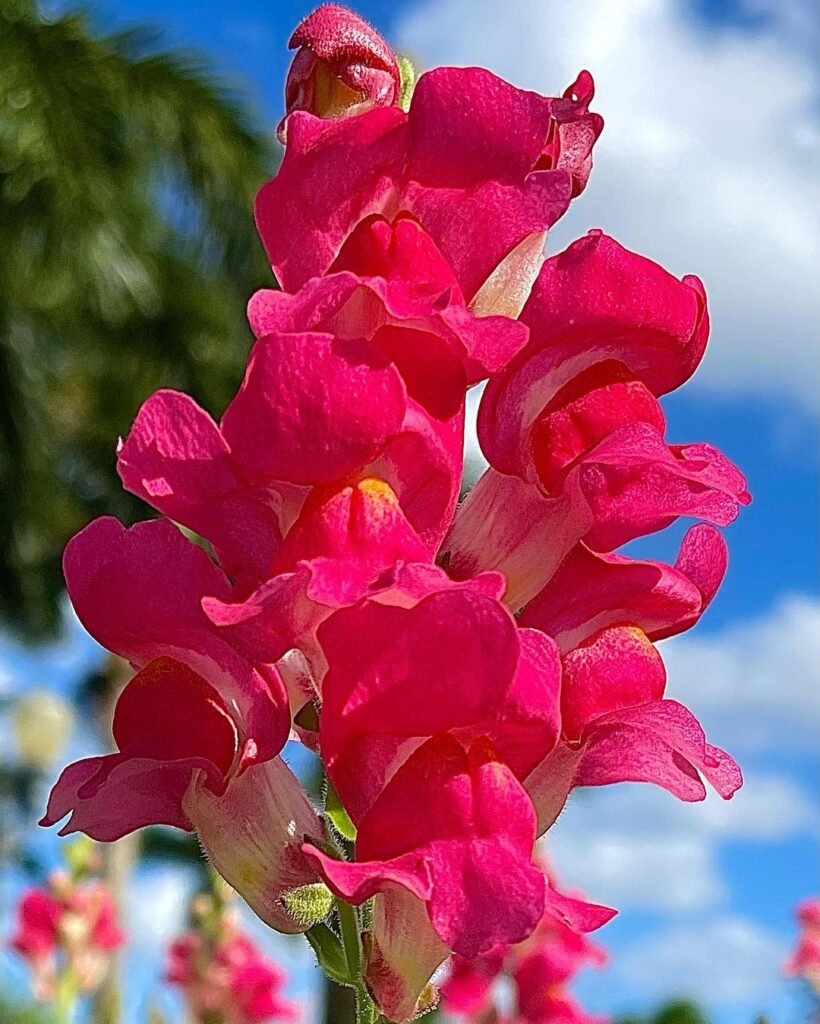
312, 408
615, 669
595, 301
662, 743
176, 459
123, 593
636, 484
591, 591
108, 797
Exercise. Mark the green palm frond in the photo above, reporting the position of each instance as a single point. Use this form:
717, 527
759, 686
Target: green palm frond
127, 174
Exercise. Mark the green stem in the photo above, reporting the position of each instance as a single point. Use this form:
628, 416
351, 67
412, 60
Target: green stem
65, 998
351, 939
352, 942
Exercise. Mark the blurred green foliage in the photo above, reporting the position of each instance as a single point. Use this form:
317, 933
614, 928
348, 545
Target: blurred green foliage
15, 1013
676, 1011
127, 254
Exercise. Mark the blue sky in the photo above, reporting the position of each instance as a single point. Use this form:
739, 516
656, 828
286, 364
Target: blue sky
707, 165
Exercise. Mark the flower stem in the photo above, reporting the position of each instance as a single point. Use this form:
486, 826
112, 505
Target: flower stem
65, 998
352, 942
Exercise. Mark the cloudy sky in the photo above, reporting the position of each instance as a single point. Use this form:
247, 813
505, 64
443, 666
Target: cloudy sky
708, 164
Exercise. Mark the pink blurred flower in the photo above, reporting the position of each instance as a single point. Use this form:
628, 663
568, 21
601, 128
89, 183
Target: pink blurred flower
804, 962
69, 926
229, 981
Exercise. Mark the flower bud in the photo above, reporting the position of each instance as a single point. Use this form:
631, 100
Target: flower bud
342, 66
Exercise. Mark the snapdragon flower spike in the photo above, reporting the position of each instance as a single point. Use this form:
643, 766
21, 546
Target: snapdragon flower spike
574, 427
464, 162
342, 66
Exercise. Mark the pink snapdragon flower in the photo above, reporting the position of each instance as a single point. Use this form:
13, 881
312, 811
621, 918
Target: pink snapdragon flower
804, 962
69, 926
229, 981
342, 66
573, 429
198, 728
484, 168
360, 374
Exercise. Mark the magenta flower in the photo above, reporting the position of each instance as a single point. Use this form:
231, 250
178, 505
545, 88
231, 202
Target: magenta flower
484, 168
198, 728
573, 430
376, 360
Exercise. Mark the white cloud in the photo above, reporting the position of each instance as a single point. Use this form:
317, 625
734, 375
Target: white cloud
726, 960
637, 847
707, 163
755, 685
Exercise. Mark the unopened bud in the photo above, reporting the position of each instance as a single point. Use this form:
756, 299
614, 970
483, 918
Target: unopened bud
342, 66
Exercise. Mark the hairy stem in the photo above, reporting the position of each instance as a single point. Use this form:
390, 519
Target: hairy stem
352, 941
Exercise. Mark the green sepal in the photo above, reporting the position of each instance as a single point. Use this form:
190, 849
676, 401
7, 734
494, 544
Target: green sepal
329, 953
309, 904
407, 71
337, 815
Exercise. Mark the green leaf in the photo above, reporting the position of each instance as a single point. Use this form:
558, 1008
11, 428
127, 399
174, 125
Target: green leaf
338, 815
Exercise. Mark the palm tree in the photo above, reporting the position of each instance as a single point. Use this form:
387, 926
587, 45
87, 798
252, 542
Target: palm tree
127, 175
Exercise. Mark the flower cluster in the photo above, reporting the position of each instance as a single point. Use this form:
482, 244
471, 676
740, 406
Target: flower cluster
223, 977
538, 972
805, 960
67, 931
459, 668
